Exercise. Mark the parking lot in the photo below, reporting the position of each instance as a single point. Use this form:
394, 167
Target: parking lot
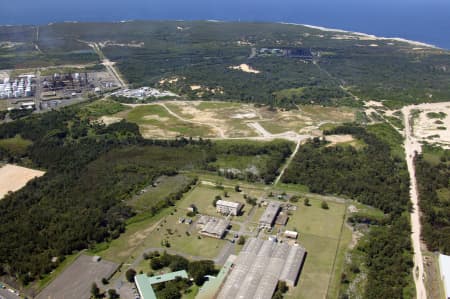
76, 281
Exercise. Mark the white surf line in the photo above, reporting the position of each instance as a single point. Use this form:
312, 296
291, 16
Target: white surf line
398, 39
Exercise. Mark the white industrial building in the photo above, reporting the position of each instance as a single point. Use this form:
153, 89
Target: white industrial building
228, 207
291, 234
444, 266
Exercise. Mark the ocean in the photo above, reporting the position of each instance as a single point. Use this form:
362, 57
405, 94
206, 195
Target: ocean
420, 20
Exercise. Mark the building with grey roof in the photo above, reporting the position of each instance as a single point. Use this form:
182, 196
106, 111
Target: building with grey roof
270, 214
259, 267
215, 227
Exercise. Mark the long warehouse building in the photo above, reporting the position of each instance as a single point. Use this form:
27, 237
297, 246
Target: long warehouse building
259, 267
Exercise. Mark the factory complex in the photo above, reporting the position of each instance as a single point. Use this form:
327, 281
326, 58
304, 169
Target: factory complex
18, 88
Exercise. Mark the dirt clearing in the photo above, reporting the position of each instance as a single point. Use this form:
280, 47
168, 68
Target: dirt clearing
335, 139
245, 68
13, 177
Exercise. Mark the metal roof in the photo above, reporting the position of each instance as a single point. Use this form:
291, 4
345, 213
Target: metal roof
259, 267
215, 226
270, 213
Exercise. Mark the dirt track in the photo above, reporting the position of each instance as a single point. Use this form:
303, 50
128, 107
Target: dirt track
411, 147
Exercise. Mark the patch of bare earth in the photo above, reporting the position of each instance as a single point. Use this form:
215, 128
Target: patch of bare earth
13, 178
108, 120
335, 139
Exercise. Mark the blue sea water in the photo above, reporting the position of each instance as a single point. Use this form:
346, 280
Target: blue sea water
421, 20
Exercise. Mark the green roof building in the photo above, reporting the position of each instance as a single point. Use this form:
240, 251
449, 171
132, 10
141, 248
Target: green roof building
144, 283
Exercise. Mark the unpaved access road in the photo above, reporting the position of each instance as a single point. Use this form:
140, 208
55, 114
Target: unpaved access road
411, 147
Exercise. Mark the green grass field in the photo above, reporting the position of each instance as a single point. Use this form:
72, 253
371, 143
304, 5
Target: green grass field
103, 107
325, 239
154, 195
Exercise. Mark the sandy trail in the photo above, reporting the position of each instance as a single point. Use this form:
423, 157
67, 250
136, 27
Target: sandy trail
411, 147
13, 178
288, 162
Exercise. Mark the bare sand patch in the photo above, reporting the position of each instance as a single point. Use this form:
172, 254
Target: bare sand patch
108, 120
244, 115
432, 129
13, 178
373, 104
335, 139
195, 87
156, 117
245, 68
171, 80
149, 131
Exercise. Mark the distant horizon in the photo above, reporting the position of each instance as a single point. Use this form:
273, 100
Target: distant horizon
426, 21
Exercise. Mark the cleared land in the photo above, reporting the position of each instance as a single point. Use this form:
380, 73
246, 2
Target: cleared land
231, 120
431, 123
76, 281
13, 177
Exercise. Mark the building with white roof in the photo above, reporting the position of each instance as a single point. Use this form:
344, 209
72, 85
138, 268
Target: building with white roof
444, 266
228, 207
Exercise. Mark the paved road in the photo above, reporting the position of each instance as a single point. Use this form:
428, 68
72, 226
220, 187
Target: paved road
411, 147
7, 294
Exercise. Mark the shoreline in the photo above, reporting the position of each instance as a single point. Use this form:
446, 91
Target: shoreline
322, 28
398, 39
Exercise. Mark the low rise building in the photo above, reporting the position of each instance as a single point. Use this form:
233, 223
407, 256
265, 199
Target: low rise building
228, 207
291, 234
214, 227
270, 214
144, 283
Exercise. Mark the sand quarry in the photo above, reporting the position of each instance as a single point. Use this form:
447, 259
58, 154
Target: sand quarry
13, 177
